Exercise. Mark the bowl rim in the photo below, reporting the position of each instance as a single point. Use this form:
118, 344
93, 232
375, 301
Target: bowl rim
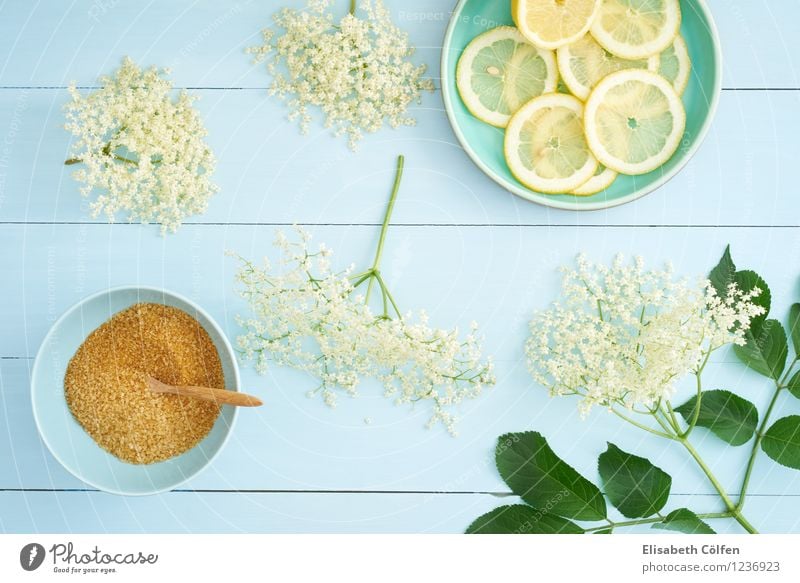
547, 200
122, 288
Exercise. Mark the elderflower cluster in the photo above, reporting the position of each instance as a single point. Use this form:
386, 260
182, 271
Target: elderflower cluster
140, 149
357, 72
308, 317
623, 335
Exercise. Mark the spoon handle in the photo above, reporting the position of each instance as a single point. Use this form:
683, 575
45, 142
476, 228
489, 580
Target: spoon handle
219, 396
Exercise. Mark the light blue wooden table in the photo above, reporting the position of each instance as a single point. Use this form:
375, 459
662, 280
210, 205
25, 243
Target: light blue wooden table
461, 247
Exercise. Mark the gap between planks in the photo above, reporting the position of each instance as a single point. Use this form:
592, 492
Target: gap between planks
265, 88
348, 492
407, 225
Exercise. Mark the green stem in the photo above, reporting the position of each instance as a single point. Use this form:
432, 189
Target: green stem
709, 474
698, 400
641, 425
732, 508
696, 412
385, 227
762, 429
667, 429
652, 520
756, 445
361, 279
669, 415
387, 294
353, 7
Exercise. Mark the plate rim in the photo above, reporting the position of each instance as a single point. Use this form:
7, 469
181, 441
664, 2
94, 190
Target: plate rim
547, 200
40, 354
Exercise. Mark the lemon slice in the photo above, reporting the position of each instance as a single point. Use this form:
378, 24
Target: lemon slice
554, 23
675, 65
584, 63
637, 29
499, 71
602, 179
634, 121
545, 145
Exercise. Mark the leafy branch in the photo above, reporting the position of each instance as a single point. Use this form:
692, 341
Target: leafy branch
560, 500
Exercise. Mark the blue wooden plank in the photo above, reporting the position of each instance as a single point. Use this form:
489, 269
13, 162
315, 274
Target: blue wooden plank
192, 512
52, 43
297, 444
270, 173
496, 276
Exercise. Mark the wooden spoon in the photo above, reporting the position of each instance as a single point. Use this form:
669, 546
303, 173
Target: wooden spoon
219, 396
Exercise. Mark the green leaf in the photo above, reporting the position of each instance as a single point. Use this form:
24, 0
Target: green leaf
782, 441
634, 485
722, 275
747, 281
685, 521
605, 531
765, 350
521, 519
794, 327
535, 473
728, 416
794, 385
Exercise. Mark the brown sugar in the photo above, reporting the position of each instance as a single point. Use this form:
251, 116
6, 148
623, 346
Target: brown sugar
106, 383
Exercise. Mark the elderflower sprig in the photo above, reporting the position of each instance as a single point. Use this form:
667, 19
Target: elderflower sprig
621, 335
312, 318
141, 150
357, 72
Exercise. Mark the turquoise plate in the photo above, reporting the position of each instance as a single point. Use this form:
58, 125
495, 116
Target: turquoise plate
67, 440
484, 143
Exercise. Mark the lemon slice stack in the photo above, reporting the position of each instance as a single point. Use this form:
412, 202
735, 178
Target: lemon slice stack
585, 89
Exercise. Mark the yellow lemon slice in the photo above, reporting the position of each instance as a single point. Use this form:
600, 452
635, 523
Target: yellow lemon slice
602, 179
554, 23
637, 29
675, 65
584, 63
545, 145
634, 121
499, 71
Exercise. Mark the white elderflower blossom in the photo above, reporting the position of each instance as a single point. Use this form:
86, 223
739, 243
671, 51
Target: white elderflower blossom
142, 150
357, 72
311, 318
623, 335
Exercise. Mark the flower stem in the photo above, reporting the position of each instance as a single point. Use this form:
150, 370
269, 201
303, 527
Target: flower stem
652, 520
733, 510
641, 425
387, 294
698, 400
353, 6
670, 417
762, 429
375, 269
674, 433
